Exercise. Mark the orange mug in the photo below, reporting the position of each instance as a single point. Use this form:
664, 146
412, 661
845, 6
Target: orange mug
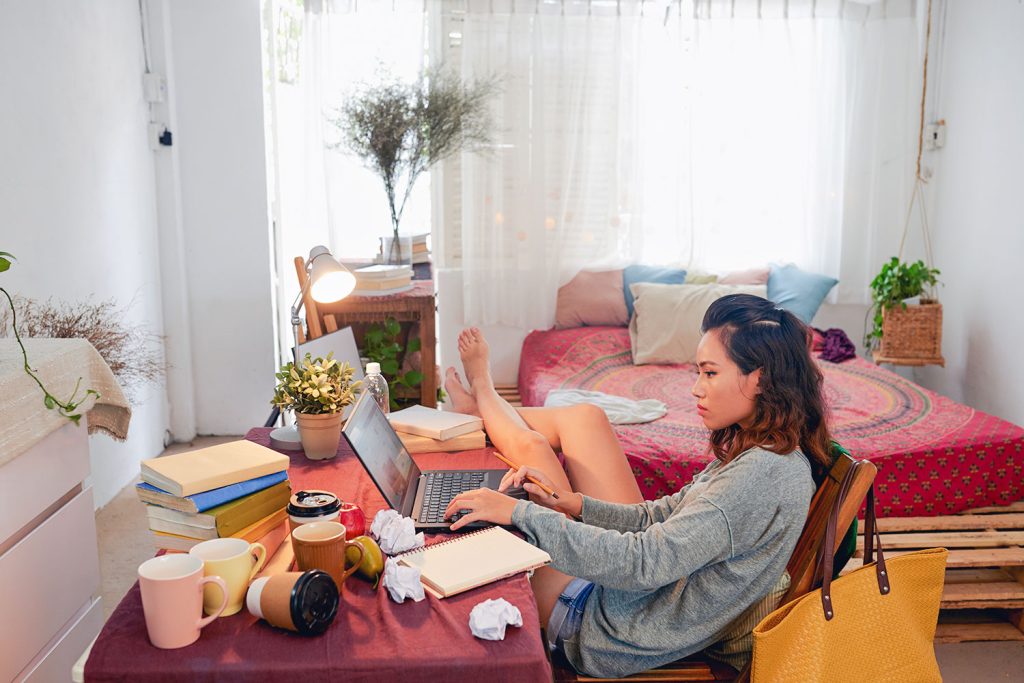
172, 599
321, 545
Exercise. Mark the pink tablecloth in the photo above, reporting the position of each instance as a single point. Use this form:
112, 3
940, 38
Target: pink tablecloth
372, 638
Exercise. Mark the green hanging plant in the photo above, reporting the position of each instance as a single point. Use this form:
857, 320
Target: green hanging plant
65, 408
895, 282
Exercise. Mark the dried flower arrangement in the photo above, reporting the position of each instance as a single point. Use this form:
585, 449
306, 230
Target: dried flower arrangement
133, 354
400, 129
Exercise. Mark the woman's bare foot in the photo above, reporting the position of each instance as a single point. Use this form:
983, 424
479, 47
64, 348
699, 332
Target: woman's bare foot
462, 401
475, 355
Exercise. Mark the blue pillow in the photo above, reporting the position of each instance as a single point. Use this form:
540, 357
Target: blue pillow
658, 274
798, 291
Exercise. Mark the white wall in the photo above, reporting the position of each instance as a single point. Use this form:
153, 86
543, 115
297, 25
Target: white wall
217, 91
978, 207
76, 182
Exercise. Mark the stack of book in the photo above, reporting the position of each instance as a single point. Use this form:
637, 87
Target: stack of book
382, 280
420, 248
237, 489
427, 430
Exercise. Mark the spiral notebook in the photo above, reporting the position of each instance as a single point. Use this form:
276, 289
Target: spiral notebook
472, 560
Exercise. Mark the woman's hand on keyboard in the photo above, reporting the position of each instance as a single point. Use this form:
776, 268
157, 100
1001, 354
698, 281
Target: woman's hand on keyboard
484, 505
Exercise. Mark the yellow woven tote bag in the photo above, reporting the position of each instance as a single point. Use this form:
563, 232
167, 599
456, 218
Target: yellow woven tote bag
876, 623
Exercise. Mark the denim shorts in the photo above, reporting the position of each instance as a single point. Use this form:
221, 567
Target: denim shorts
567, 614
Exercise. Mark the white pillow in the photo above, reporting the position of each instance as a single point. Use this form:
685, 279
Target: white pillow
665, 328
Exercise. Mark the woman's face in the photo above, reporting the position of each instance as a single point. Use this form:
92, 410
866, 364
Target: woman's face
725, 396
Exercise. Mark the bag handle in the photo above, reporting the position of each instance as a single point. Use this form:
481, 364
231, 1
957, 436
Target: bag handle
871, 538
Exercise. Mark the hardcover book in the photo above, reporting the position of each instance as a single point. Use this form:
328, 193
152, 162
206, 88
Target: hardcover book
271, 530
201, 502
424, 444
208, 468
230, 517
434, 423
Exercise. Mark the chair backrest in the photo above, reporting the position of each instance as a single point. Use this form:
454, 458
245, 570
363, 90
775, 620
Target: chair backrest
803, 561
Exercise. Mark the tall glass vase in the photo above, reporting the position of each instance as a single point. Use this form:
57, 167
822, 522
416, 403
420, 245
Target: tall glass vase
397, 253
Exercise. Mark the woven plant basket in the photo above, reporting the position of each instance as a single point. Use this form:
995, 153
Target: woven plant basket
912, 335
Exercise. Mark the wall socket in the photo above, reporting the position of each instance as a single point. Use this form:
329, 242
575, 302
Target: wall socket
935, 135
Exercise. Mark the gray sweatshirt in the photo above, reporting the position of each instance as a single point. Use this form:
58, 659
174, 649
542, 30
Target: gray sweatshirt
672, 574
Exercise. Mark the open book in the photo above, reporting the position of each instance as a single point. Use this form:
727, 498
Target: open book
472, 560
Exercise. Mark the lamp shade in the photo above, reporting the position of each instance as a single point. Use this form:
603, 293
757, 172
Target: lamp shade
328, 280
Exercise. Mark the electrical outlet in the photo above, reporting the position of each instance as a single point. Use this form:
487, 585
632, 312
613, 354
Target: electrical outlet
935, 135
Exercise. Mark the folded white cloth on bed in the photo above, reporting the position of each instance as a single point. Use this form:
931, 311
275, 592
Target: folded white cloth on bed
620, 410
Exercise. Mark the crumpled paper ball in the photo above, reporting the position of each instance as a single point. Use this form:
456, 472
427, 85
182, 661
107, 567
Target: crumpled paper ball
488, 619
395, 533
402, 582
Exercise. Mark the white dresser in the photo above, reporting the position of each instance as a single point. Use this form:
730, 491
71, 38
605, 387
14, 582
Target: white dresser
49, 567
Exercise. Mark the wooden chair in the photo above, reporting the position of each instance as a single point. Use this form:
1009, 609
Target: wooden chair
801, 568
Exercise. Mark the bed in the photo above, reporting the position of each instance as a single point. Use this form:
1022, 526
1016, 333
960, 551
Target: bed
935, 456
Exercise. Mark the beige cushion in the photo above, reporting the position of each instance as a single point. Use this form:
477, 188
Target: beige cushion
665, 328
592, 298
736, 643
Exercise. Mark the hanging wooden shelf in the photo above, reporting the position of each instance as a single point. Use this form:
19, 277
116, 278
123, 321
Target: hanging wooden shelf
892, 360
911, 335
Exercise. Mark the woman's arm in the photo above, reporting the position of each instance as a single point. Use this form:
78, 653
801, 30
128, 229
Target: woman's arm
629, 516
664, 552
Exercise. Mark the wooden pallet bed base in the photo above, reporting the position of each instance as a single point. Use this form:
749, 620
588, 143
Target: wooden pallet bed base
983, 598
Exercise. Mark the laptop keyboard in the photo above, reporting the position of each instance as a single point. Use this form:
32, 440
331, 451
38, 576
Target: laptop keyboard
439, 489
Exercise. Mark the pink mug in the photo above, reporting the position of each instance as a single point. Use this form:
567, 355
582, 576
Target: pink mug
172, 599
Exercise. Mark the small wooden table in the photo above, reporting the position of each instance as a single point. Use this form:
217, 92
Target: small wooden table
416, 305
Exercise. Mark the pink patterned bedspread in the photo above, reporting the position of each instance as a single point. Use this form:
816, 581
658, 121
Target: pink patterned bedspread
934, 456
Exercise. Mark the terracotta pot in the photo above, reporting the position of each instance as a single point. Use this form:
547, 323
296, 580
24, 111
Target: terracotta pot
320, 434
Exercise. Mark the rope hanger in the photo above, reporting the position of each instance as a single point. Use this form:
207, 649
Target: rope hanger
917, 196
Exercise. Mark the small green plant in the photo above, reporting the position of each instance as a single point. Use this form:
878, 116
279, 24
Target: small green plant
65, 408
318, 386
894, 283
382, 346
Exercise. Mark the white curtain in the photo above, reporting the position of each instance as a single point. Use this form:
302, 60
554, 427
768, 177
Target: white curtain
321, 50
715, 135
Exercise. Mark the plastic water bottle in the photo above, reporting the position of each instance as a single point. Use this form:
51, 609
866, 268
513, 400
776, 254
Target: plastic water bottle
377, 387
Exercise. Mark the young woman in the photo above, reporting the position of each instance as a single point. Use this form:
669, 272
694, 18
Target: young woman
634, 584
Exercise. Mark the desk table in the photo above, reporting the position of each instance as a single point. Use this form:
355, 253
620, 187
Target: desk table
371, 639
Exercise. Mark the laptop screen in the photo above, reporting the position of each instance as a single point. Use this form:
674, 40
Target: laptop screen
380, 450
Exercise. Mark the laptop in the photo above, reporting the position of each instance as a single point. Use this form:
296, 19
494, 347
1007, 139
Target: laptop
422, 495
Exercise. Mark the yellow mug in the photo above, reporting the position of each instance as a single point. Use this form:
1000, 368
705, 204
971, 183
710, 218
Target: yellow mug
237, 562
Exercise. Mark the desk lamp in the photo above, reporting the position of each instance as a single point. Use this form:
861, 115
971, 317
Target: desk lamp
327, 281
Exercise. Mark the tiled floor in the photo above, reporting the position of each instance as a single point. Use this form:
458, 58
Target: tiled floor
124, 543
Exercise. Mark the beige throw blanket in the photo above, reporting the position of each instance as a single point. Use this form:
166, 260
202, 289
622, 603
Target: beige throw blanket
58, 363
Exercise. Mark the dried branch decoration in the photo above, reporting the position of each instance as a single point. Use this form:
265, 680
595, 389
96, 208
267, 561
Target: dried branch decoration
401, 129
132, 353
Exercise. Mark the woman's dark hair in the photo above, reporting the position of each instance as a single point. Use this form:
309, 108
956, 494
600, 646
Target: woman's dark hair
790, 411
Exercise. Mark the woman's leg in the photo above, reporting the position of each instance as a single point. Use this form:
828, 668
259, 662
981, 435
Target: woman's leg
596, 464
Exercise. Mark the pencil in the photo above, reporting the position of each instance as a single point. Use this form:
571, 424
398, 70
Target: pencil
547, 489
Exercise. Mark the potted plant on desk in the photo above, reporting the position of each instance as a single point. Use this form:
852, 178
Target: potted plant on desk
317, 391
